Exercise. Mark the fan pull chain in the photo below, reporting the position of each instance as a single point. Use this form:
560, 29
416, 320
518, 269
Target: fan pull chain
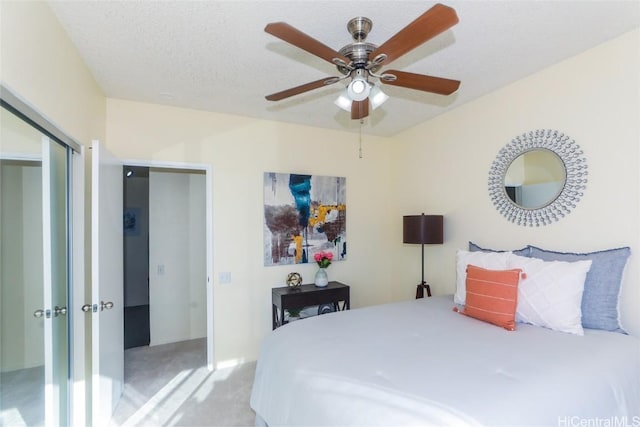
360, 140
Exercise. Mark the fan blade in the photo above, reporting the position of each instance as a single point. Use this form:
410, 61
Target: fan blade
302, 88
437, 85
359, 109
428, 25
297, 38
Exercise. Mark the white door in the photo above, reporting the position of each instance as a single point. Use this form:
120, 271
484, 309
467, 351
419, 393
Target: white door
55, 282
107, 284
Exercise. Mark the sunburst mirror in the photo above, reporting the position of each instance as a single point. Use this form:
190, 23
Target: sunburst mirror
538, 177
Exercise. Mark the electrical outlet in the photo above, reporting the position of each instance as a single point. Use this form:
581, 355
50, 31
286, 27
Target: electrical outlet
224, 277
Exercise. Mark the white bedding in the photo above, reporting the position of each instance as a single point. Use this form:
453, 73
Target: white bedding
419, 363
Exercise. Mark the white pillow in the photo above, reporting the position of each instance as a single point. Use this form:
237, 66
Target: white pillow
551, 293
487, 260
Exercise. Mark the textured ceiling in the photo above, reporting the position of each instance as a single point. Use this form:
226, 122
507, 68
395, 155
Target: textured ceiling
215, 55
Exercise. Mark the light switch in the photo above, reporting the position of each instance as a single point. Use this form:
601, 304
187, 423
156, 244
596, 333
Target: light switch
224, 277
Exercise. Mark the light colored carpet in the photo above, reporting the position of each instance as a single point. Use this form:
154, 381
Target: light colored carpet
22, 397
169, 385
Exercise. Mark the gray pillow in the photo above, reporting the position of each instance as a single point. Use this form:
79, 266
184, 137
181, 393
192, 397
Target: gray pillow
522, 252
601, 287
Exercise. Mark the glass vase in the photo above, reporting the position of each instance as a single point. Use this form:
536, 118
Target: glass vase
321, 280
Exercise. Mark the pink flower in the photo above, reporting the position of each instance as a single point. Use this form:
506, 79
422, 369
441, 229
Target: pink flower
323, 258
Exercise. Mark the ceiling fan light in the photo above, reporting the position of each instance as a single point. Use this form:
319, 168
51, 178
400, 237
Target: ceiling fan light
358, 89
343, 101
377, 97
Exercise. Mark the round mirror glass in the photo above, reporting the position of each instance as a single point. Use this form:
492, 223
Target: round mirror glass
538, 177
535, 178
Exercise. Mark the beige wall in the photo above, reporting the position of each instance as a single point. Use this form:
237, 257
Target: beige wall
593, 97
39, 62
239, 151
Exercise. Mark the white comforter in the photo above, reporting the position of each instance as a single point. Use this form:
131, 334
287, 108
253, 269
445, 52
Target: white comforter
419, 363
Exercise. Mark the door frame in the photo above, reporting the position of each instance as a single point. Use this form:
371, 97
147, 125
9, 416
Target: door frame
158, 164
74, 265
79, 351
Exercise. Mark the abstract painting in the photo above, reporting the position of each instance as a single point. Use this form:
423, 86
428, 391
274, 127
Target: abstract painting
303, 214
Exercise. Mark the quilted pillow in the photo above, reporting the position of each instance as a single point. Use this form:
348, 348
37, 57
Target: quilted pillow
601, 287
488, 260
475, 248
492, 295
550, 295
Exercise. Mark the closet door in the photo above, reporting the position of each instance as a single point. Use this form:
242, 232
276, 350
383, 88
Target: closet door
34, 345
21, 292
55, 280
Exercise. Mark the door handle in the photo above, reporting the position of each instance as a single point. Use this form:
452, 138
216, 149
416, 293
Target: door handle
106, 305
59, 310
86, 308
40, 313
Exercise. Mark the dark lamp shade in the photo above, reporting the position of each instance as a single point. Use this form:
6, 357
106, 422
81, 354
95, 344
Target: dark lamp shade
425, 229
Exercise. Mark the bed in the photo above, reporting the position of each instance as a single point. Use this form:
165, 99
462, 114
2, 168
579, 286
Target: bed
420, 363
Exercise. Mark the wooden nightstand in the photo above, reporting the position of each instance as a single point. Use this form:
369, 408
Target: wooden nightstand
305, 296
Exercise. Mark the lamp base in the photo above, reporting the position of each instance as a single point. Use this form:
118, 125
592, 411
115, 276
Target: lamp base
420, 290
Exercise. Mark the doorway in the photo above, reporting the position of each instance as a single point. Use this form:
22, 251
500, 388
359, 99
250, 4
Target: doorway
136, 256
165, 254
108, 272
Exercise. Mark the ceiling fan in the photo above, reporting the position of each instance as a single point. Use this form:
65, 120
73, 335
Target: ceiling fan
361, 60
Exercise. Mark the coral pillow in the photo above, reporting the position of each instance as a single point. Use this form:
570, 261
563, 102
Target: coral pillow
492, 295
